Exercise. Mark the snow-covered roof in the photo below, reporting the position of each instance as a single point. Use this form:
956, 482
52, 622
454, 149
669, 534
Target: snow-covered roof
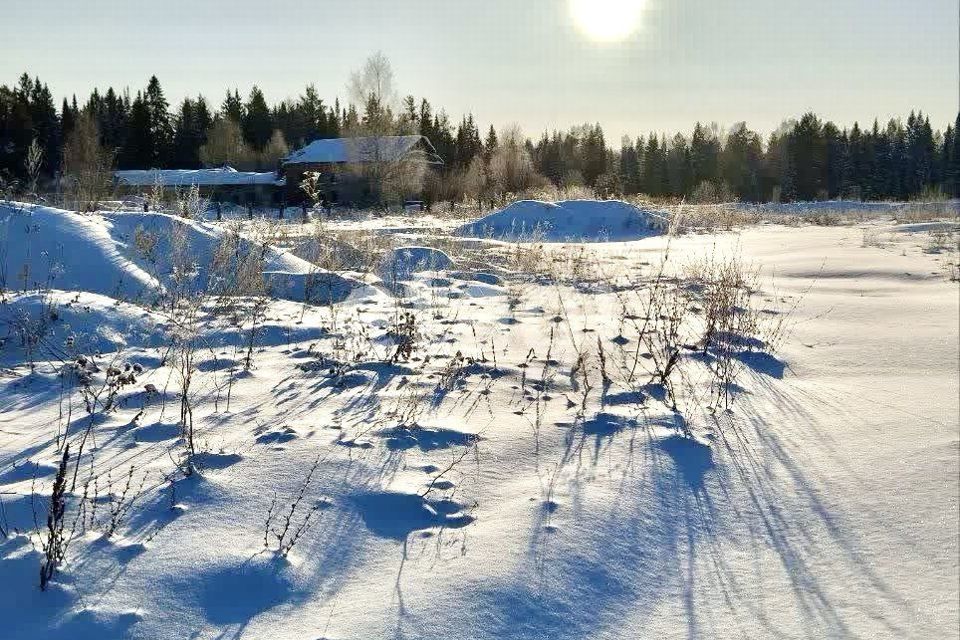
365, 149
221, 176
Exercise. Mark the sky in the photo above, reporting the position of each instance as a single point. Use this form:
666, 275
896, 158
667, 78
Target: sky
530, 62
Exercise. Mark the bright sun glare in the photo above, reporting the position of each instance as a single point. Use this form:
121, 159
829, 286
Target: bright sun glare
607, 20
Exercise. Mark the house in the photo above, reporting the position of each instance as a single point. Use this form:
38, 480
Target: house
222, 184
350, 168
352, 171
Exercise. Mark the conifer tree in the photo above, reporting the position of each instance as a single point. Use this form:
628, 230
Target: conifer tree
161, 128
232, 107
951, 153
629, 167
138, 148
704, 155
679, 171
807, 155
257, 124
490, 144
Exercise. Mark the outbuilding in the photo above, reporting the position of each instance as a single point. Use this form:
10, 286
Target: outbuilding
221, 184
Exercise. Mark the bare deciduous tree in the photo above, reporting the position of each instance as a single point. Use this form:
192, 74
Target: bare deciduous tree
87, 164
374, 80
225, 146
511, 169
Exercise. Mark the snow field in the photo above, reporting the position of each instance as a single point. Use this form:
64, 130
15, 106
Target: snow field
492, 485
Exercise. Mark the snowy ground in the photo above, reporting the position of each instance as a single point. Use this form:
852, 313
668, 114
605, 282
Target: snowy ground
505, 492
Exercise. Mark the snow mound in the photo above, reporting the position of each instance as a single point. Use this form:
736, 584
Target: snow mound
43, 247
571, 220
330, 253
319, 287
401, 263
135, 255
67, 322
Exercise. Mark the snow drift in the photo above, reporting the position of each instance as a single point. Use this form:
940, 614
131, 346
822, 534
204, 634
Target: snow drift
401, 263
78, 322
135, 255
328, 251
571, 220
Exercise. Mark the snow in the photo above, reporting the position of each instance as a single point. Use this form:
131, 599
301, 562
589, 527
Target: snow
329, 250
472, 497
567, 221
221, 176
401, 263
45, 247
852, 207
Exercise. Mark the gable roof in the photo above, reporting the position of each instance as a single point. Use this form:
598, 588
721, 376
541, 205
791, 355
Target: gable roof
220, 176
365, 149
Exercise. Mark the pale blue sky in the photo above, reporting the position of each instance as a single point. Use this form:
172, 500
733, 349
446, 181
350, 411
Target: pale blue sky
518, 61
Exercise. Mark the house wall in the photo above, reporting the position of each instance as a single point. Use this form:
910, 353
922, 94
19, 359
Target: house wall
342, 186
258, 194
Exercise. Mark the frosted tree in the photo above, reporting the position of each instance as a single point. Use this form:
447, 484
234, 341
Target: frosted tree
511, 169
86, 164
225, 146
377, 159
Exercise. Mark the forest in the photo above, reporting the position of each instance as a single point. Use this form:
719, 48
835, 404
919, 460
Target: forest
805, 159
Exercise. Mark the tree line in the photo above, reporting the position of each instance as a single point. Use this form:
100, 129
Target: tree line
804, 159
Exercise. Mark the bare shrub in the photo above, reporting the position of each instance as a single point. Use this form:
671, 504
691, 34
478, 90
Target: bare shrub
452, 373
189, 203
405, 334
32, 329
225, 145
730, 320
663, 339
32, 163
725, 288
941, 240
185, 342
872, 237
99, 389
283, 528
54, 544
119, 504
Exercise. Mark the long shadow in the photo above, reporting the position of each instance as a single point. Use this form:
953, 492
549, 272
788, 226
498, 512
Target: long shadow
568, 587
775, 491
674, 538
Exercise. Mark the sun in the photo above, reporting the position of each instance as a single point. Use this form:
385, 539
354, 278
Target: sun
607, 20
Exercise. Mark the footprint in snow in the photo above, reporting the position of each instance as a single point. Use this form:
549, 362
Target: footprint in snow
278, 436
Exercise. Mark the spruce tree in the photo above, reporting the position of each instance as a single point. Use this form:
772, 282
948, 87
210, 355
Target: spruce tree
490, 144
46, 127
835, 153
68, 119
629, 167
807, 157
160, 126
704, 156
257, 124
951, 146
678, 166
740, 163
138, 148
593, 154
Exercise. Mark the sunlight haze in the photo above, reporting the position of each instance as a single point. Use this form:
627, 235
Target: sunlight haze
527, 62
